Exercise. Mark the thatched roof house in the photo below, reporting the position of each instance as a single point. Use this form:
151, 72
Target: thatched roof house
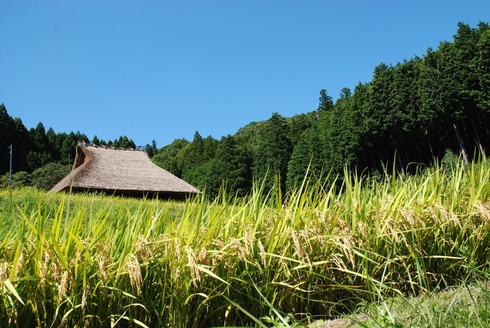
121, 172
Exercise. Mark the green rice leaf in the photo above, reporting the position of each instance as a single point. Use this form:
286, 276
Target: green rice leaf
12, 290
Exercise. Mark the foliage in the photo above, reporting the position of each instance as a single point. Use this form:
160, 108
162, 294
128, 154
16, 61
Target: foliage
19, 180
322, 251
123, 142
411, 112
151, 149
35, 148
271, 155
49, 175
465, 305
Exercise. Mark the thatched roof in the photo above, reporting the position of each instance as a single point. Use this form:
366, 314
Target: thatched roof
121, 171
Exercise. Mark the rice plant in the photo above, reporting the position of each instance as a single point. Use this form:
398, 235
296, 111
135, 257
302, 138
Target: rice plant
320, 252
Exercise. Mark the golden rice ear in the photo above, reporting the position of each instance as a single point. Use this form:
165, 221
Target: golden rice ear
64, 285
134, 271
4, 271
193, 266
262, 253
93, 257
298, 248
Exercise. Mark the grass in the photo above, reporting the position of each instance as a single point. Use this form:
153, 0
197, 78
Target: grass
462, 306
466, 305
320, 252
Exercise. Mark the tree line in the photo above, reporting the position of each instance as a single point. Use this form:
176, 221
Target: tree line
40, 158
408, 116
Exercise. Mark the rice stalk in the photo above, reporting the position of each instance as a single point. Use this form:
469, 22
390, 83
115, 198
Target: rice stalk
321, 250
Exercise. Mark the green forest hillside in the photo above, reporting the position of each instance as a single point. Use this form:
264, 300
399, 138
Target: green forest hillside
411, 114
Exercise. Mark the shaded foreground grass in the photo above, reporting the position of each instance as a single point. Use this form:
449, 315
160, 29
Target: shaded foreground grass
318, 253
466, 305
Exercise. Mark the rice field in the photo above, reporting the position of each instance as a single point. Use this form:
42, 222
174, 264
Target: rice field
321, 252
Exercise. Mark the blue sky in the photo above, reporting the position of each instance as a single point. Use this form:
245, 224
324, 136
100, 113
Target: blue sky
165, 69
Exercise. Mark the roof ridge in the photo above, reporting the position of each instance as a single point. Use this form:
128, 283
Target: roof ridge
91, 144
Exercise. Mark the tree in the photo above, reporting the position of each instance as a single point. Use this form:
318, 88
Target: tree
151, 150
385, 120
7, 138
306, 158
124, 142
405, 105
232, 167
195, 160
344, 134
19, 179
68, 148
325, 101
272, 152
53, 144
483, 68
167, 157
298, 124
345, 93
39, 138
49, 175
36, 159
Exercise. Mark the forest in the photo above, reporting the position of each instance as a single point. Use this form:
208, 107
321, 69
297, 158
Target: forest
411, 115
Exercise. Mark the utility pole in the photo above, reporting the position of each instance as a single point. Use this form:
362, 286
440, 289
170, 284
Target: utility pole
10, 177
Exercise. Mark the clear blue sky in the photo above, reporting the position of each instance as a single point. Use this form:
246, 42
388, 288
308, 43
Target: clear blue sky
165, 69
